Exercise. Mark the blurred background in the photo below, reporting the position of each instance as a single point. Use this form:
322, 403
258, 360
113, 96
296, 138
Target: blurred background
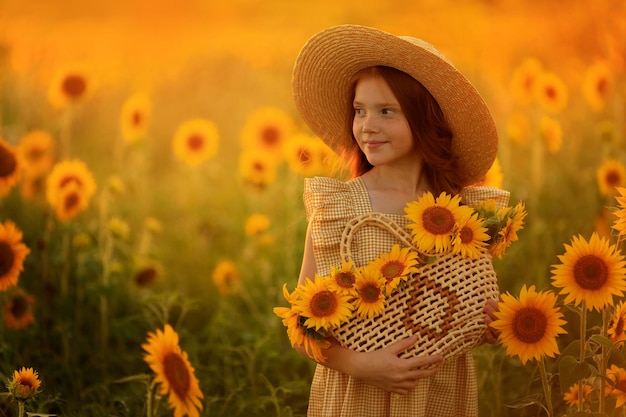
201, 230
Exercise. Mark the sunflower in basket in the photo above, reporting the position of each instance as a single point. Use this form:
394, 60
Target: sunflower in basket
438, 226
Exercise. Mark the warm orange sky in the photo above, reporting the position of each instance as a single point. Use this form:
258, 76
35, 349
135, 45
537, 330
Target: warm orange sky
152, 39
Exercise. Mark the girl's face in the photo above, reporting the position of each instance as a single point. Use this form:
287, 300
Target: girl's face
379, 126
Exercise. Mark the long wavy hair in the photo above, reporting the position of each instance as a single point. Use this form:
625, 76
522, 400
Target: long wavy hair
431, 132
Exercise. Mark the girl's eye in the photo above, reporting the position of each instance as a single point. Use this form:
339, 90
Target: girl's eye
359, 111
388, 111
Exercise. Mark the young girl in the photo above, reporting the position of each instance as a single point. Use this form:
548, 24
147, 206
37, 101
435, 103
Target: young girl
409, 123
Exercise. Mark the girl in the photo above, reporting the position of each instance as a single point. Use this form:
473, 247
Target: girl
409, 122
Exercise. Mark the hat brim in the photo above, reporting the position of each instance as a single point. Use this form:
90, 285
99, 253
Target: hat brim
327, 63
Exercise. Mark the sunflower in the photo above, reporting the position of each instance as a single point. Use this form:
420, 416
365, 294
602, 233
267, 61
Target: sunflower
304, 155
433, 221
65, 173
617, 324
551, 133
513, 218
395, 266
611, 174
256, 223
551, 92
267, 129
571, 396
472, 237
342, 279
173, 372
620, 223
529, 325
257, 168
135, 117
617, 384
37, 153
18, 311
590, 272
370, 287
226, 277
147, 273
12, 254
322, 307
10, 167
70, 84
313, 342
597, 85
71, 202
524, 80
195, 141
24, 384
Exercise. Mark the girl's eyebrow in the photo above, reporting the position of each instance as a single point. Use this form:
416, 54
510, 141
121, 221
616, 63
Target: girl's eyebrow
385, 104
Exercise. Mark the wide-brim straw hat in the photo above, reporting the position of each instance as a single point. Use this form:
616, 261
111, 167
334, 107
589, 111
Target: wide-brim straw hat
328, 61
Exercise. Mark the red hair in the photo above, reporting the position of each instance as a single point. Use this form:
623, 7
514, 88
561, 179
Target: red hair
431, 132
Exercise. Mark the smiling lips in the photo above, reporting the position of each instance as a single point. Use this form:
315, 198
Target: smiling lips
373, 145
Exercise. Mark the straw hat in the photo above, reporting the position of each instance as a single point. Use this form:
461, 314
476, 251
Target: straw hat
328, 61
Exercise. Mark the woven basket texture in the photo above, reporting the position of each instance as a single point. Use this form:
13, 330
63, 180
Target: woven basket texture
442, 303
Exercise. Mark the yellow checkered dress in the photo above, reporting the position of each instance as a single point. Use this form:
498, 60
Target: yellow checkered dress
452, 392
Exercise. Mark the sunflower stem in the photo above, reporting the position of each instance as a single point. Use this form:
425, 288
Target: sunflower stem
603, 364
583, 338
546, 386
20, 408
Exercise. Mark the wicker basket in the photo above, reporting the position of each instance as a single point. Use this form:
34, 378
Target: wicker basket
442, 304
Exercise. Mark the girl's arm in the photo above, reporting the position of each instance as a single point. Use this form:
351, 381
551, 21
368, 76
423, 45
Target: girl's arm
382, 368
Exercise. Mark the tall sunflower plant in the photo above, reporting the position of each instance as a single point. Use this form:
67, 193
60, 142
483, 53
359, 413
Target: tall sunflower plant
437, 226
590, 371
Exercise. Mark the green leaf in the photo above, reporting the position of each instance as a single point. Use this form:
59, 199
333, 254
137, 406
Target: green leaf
571, 371
602, 341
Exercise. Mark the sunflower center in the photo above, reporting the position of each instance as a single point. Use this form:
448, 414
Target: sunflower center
7, 257
466, 235
392, 270
590, 272
71, 201
602, 86
258, 167
438, 220
345, 279
323, 303
145, 277
19, 307
613, 178
270, 136
195, 142
529, 325
370, 293
177, 374
304, 156
35, 153
550, 92
8, 163
74, 86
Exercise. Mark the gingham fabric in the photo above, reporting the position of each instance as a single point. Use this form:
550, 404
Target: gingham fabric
452, 392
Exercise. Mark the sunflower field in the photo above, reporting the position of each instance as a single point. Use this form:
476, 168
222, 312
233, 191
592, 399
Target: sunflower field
151, 178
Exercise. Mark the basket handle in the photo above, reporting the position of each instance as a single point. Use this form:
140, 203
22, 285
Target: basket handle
373, 219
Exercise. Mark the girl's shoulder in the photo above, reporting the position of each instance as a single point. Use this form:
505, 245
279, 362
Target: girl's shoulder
325, 192
473, 195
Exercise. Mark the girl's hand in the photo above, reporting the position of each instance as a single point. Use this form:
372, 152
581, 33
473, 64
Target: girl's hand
384, 369
491, 335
